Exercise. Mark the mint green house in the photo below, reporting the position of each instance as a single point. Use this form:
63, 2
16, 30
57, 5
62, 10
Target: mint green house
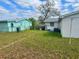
14, 25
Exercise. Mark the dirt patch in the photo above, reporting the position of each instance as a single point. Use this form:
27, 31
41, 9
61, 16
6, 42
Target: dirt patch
18, 51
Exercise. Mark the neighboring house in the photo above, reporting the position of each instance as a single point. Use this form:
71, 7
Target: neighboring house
68, 24
14, 25
51, 23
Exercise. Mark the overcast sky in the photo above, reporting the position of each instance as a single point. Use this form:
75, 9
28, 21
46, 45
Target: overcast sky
28, 8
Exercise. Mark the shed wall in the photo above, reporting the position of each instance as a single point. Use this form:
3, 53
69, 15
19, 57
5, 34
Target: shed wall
70, 26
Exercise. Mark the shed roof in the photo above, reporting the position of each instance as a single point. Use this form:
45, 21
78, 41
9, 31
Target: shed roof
70, 14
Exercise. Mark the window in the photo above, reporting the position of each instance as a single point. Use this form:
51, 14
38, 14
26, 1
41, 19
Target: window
51, 23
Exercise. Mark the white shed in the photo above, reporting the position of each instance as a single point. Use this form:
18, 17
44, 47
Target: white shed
70, 25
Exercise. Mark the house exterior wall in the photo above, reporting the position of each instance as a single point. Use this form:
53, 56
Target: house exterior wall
14, 28
6, 26
70, 26
22, 25
25, 24
48, 27
3, 27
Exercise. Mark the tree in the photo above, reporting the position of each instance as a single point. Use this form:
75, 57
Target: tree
33, 22
47, 9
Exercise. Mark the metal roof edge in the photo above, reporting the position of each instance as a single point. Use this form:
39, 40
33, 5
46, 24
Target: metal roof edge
70, 14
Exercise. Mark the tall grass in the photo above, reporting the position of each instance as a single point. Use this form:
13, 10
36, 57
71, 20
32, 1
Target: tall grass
40, 44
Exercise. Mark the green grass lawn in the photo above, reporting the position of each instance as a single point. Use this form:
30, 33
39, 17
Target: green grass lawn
38, 45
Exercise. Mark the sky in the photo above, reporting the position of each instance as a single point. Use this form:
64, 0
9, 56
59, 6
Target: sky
28, 8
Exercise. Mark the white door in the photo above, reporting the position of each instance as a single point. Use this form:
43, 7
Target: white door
75, 28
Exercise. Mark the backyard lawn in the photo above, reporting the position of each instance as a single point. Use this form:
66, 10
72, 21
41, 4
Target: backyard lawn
34, 44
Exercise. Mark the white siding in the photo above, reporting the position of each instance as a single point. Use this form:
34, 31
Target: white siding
48, 27
75, 28
65, 27
56, 25
70, 22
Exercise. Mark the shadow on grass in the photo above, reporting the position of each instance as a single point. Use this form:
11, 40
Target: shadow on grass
52, 34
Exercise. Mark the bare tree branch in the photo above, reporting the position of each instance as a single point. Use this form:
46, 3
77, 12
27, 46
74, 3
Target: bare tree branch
47, 9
